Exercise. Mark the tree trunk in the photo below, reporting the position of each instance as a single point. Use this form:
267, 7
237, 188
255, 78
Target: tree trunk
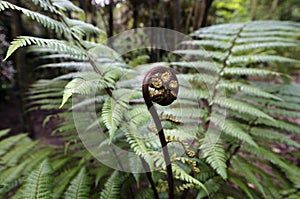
273, 8
110, 20
21, 75
176, 15
253, 10
201, 13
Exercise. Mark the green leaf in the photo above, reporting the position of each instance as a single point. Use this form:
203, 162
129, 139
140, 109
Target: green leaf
112, 187
241, 107
115, 108
85, 83
4, 132
38, 183
215, 156
79, 187
56, 45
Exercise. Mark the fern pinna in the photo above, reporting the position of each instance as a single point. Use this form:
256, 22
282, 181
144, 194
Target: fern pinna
234, 110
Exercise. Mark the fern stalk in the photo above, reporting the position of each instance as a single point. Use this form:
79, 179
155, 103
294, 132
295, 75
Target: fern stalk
161, 136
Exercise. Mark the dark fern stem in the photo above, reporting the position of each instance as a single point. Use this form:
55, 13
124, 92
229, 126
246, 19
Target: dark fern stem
160, 85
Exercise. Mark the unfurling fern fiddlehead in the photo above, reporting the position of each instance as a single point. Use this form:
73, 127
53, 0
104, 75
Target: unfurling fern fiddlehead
160, 85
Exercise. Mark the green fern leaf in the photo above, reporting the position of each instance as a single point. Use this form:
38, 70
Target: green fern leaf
114, 109
7, 143
38, 183
245, 47
259, 58
4, 132
84, 83
66, 5
232, 128
83, 28
112, 187
179, 173
62, 182
215, 155
45, 4
56, 45
246, 89
13, 156
265, 39
212, 43
241, 184
213, 185
9, 177
46, 21
250, 71
79, 187
241, 107
242, 168
203, 54
200, 65
265, 134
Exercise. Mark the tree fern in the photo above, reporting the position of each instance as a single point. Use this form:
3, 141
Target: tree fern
256, 112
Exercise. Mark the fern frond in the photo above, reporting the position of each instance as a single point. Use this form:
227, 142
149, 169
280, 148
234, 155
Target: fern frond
215, 156
79, 66
9, 177
242, 185
114, 109
245, 47
112, 187
179, 173
290, 170
137, 144
270, 34
38, 183
200, 65
66, 5
84, 83
241, 107
56, 45
4, 132
213, 36
250, 71
7, 143
79, 187
273, 136
83, 28
46, 21
62, 182
280, 124
213, 185
281, 112
202, 53
242, 168
212, 43
13, 156
232, 128
265, 39
45, 4
259, 58
246, 89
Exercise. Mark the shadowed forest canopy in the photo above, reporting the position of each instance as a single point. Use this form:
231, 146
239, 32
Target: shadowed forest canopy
150, 99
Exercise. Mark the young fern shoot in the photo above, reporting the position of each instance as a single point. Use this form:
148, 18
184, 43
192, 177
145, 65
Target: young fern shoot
160, 85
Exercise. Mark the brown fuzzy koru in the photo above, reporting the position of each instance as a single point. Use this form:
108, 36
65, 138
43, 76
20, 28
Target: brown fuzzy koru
161, 85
